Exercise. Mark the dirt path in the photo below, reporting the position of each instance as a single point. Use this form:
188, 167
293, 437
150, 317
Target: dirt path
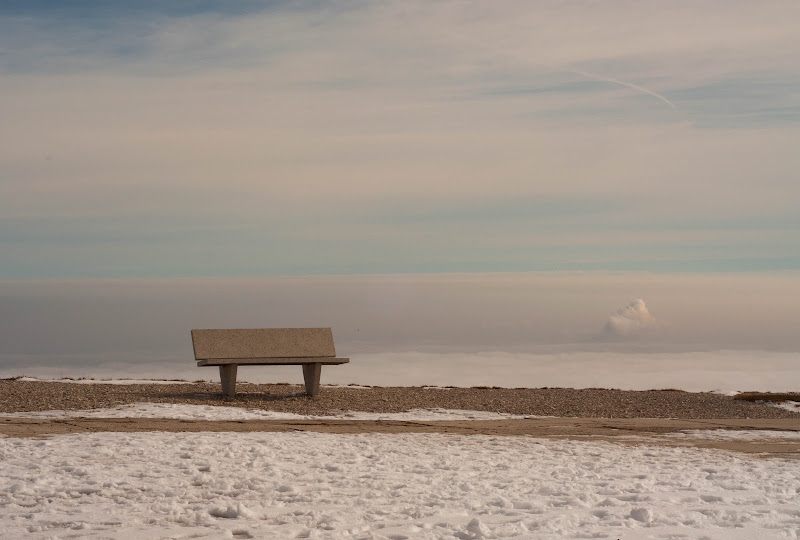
629, 431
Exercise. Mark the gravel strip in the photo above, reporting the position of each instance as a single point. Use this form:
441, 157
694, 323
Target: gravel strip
19, 396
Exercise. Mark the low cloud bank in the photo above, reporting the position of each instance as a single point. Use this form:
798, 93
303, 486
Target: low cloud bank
631, 320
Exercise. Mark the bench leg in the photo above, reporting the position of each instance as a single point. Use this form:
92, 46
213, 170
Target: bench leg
311, 374
227, 375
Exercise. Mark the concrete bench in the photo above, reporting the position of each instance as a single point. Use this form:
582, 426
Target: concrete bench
229, 349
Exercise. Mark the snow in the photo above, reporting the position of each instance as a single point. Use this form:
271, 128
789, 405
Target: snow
725, 434
211, 412
369, 486
105, 381
793, 406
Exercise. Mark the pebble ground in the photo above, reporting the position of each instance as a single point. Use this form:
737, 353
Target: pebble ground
18, 396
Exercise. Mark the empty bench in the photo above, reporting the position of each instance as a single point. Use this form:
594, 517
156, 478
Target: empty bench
308, 347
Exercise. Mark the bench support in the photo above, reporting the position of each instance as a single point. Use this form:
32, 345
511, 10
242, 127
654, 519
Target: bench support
311, 374
227, 375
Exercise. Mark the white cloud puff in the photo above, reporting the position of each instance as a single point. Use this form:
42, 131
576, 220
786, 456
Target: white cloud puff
630, 320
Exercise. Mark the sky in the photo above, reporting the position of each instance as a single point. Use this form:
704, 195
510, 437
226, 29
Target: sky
596, 160
280, 138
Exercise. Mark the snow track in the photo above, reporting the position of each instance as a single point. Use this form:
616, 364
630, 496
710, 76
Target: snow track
216, 412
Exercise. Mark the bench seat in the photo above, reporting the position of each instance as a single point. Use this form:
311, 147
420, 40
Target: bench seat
310, 348
272, 361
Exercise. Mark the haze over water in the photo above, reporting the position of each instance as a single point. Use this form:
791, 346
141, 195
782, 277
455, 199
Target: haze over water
623, 330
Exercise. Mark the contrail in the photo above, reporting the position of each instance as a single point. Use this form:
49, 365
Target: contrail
517, 57
626, 84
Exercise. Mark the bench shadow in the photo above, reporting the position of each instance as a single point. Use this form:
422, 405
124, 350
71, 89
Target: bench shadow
239, 397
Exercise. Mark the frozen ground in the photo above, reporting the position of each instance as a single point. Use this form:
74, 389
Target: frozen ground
300, 485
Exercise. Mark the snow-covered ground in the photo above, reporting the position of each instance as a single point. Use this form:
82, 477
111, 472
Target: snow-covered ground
299, 485
793, 406
733, 434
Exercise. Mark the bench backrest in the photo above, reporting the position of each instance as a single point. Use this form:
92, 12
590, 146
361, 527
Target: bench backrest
263, 343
